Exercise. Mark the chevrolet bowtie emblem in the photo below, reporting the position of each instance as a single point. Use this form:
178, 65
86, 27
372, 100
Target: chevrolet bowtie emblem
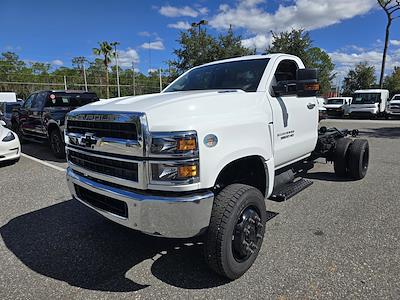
89, 140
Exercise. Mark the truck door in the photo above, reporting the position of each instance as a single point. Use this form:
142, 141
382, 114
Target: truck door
23, 118
35, 115
295, 119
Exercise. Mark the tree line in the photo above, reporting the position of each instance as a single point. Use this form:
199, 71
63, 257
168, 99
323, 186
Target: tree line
195, 47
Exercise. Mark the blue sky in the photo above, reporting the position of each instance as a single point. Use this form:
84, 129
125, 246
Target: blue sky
56, 31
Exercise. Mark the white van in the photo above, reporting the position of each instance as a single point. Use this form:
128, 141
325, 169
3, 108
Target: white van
338, 106
8, 97
369, 103
394, 106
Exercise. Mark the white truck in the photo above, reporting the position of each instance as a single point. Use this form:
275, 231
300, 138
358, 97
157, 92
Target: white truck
369, 103
8, 97
394, 106
338, 106
201, 157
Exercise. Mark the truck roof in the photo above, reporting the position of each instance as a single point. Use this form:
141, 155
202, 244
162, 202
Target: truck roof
250, 57
65, 91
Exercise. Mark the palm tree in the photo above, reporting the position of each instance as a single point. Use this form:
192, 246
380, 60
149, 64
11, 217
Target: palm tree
106, 50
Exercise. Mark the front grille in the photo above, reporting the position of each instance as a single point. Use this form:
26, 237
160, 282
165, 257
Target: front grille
102, 202
111, 167
127, 131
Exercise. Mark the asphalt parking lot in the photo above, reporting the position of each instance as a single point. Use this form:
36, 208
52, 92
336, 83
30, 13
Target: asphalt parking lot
336, 239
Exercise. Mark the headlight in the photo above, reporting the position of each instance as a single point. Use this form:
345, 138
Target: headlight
176, 172
9, 137
174, 144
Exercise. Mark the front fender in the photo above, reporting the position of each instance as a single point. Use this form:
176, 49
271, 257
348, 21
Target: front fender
252, 139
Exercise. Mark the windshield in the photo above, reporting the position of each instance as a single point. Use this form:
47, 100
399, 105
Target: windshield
243, 75
366, 98
11, 106
335, 101
70, 99
396, 98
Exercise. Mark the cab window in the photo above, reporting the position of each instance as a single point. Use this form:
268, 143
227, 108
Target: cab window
38, 102
61, 99
285, 74
29, 101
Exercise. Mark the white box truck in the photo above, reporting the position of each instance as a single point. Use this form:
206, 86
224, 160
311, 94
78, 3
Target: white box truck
8, 97
369, 103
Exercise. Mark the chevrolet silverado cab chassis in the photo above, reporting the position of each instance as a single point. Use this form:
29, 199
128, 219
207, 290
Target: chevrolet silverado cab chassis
201, 157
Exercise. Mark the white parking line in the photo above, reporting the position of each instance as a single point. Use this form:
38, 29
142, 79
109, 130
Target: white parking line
43, 162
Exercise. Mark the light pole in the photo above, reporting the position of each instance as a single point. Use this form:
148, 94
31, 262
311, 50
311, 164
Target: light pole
84, 75
149, 56
160, 79
198, 25
134, 79
202, 22
80, 62
116, 61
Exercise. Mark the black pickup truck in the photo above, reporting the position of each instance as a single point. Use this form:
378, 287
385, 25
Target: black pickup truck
41, 118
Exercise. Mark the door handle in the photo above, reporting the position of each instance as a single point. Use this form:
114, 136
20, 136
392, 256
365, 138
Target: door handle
310, 105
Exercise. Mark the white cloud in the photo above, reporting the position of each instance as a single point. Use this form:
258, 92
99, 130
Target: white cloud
395, 42
259, 42
57, 62
346, 61
186, 11
307, 14
13, 49
180, 25
144, 33
126, 57
156, 45
203, 10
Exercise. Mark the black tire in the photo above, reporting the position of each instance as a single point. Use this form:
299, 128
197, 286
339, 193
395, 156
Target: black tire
358, 159
228, 249
340, 160
17, 129
56, 143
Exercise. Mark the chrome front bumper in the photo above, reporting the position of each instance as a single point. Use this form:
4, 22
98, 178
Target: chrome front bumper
394, 112
175, 217
372, 111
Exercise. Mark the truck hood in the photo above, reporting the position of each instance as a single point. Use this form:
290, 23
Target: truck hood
183, 110
395, 102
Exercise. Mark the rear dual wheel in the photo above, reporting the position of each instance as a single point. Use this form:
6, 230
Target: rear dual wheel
351, 158
236, 230
358, 159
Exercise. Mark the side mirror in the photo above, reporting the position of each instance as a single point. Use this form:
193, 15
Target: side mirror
2, 123
307, 82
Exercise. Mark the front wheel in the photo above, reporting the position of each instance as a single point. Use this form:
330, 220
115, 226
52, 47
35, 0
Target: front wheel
236, 230
57, 144
17, 129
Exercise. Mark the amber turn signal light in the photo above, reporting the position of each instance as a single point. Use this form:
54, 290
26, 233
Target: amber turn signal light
187, 171
186, 144
311, 87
